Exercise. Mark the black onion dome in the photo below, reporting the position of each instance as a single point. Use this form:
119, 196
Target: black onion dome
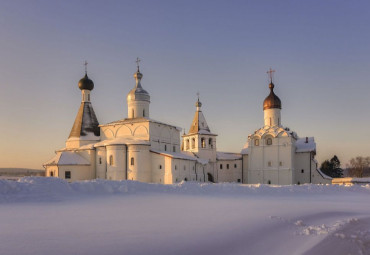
86, 83
272, 100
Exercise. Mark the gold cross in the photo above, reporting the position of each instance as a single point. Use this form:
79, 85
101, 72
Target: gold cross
270, 73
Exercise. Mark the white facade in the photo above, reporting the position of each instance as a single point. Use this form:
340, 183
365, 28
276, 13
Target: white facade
142, 149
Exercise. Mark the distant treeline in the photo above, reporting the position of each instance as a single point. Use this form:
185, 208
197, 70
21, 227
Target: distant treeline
21, 172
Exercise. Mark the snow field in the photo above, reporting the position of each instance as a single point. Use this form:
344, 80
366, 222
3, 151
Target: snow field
50, 216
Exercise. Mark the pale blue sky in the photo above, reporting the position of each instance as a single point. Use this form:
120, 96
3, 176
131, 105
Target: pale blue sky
319, 49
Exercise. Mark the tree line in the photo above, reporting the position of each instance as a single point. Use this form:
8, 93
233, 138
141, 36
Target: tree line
357, 167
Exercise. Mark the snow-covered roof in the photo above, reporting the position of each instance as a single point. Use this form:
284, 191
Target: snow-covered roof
228, 156
181, 155
136, 120
245, 149
323, 175
305, 144
122, 140
67, 158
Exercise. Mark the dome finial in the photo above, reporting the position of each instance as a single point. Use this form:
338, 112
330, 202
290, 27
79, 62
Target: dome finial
137, 64
85, 64
270, 74
198, 104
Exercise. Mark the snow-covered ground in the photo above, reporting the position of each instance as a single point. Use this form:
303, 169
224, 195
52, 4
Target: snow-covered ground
50, 216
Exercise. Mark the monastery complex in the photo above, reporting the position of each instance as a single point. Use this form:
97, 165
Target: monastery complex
143, 149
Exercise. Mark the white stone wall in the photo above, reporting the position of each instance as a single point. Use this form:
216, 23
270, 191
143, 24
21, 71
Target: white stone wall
231, 170
137, 109
139, 163
272, 117
116, 168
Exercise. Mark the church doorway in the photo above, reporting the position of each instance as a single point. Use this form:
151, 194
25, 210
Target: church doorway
210, 177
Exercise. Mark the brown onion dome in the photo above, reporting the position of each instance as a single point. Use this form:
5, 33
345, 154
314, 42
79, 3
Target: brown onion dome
272, 100
86, 83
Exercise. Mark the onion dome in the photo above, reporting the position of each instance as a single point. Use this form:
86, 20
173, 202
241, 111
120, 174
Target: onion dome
272, 100
86, 83
138, 93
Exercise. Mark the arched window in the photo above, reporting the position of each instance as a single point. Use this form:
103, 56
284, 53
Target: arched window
193, 143
132, 161
203, 142
111, 160
269, 141
210, 143
256, 142
187, 144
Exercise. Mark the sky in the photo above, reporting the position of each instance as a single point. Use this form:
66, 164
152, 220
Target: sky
221, 49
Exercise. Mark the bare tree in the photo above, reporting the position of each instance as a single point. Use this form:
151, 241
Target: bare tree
359, 166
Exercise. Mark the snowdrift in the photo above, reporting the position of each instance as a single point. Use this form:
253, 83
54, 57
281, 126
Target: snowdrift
55, 189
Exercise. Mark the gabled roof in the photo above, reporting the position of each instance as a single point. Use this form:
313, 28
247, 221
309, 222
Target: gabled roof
67, 158
306, 144
86, 123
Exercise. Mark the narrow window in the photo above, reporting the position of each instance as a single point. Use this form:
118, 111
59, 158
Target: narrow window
187, 144
299, 183
144, 113
175, 167
269, 141
132, 161
270, 121
302, 171
281, 163
256, 142
269, 182
193, 167
193, 143
160, 166
184, 167
220, 166
133, 113
203, 141
51, 174
235, 165
239, 180
176, 180
100, 160
227, 166
174, 148
210, 143
67, 174
111, 160
165, 147
269, 163
88, 97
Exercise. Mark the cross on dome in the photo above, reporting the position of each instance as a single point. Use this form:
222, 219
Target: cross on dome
137, 63
85, 64
270, 73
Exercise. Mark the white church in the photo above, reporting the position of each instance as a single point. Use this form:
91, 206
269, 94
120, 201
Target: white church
143, 149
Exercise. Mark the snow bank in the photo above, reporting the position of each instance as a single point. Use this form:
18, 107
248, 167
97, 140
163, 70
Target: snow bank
54, 189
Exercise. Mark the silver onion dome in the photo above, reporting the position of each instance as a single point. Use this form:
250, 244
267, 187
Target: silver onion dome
138, 93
